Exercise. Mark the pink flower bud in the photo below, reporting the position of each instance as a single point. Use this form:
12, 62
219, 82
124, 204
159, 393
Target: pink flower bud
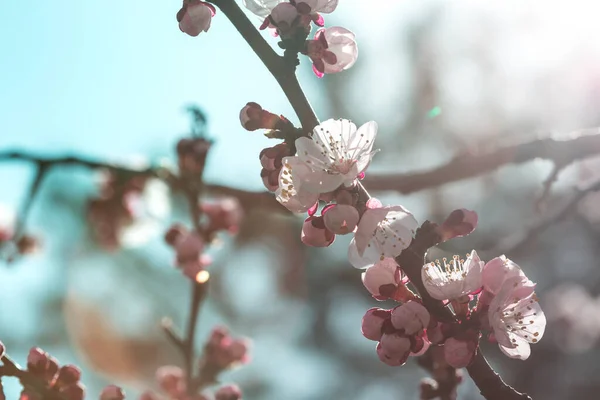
459, 223
224, 214
372, 323
267, 162
253, 117
188, 248
270, 179
37, 361
239, 349
395, 345
222, 352
458, 353
391, 360
382, 279
411, 316
171, 379
147, 395
174, 233
229, 392
283, 17
315, 234
341, 219
73, 392
250, 116
333, 50
68, 375
195, 17
112, 392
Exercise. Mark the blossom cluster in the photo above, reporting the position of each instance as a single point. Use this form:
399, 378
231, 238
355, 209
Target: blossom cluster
331, 50
322, 171
495, 296
45, 377
221, 352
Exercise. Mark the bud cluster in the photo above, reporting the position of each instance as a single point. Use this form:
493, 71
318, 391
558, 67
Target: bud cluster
115, 208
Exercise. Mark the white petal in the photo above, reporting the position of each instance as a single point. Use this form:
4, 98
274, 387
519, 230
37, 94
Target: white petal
332, 134
311, 153
497, 271
366, 227
369, 257
361, 143
341, 42
521, 351
321, 182
262, 8
290, 192
320, 6
396, 231
473, 267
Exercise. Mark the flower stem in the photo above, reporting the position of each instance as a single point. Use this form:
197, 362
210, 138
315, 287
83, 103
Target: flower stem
490, 384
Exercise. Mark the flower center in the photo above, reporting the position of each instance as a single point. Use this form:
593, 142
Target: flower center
453, 269
342, 166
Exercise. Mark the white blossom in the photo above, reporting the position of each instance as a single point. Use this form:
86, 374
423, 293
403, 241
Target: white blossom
449, 280
382, 232
336, 152
516, 317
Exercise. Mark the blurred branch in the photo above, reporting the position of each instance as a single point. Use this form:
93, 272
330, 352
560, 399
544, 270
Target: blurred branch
40, 174
249, 200
580, 145
516, 242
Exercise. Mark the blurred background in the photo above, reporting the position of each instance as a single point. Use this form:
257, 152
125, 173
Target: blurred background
110, 80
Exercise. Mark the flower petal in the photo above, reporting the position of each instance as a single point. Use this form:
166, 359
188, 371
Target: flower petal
262, 8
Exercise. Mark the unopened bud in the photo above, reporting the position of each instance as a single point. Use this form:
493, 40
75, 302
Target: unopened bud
459, 223
73, 392
253, 117
68, 375
229, 392
112, 392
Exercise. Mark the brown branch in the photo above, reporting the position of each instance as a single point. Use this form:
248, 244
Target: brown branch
467, 165
490, 384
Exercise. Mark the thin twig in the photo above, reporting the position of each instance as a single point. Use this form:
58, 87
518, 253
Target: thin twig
40, 174
578, 146
547, 185
514, 243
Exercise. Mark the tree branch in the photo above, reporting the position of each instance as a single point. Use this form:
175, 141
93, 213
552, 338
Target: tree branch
249, 200
467, 165
490, 384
